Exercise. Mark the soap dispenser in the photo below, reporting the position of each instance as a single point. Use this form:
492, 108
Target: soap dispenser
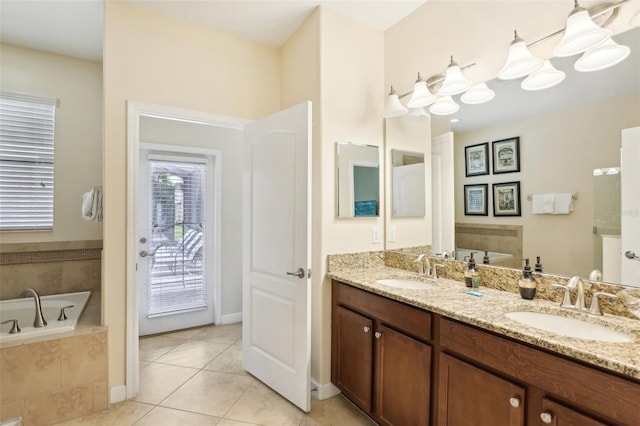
485, 259
470, 272
538, 266
527, 283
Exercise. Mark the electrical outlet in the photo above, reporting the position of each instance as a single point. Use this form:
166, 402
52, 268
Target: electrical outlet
375, 235
392, 234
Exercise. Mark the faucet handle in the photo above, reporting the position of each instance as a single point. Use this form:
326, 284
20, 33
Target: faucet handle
435, 270
566, 300
15, 328
595, 303
420, 264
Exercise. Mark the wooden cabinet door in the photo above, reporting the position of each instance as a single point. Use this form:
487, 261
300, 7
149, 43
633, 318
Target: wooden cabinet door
470, 396
403, 370
353, 369
560, 415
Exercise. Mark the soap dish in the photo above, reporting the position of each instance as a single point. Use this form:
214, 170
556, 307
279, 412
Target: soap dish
631, 299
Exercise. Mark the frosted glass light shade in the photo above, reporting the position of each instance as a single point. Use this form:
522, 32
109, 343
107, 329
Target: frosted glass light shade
580, 34
478, 94
393, 107
421, 95
444, 106
546, 77
417, 112
454, 82
520, 61
602, 56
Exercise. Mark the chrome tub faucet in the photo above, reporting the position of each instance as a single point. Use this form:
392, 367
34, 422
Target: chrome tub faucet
39, 320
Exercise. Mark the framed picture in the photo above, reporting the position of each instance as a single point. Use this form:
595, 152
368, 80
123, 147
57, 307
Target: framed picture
475, 199
506, 199
506, 155
476, 159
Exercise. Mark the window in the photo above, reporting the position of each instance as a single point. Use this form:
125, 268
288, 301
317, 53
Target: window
26, 162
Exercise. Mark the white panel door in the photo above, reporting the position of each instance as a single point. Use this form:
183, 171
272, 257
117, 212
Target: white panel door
276, 309
630, 221
443, 207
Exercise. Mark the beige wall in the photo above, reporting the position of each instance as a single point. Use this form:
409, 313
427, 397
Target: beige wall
77, 84
558, 153
152, 58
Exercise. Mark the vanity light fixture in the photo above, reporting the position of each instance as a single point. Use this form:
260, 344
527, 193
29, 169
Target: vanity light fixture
546, 77
393, 107
421, 95
602, 56
478, 94
454, 82
445, 105
520, 61
580, 33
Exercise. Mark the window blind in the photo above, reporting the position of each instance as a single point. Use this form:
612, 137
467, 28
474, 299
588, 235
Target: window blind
177, 278
26, 162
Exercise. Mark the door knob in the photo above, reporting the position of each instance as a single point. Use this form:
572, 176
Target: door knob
377, 334
515, 402
299, 273
144, 253
366, 329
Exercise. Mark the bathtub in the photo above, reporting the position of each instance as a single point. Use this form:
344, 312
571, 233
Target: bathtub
463, 254
23, 310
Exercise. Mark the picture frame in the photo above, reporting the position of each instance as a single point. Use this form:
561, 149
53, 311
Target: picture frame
475, 199
506, 199
506, 155
476, 159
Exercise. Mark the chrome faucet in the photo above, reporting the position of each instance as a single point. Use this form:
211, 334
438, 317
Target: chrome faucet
576, 282
39, 320
423, 270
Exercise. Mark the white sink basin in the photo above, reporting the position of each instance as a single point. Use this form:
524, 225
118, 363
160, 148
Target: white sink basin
569, 327
402, 283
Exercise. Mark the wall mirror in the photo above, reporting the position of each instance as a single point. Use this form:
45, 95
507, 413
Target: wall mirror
407, 184
565, 133
358, 180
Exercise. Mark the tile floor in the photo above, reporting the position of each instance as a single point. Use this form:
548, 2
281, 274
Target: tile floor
195, 378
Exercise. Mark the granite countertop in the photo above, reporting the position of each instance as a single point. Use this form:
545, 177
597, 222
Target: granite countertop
448, 298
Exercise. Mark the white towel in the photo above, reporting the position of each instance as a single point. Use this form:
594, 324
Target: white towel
542, 203
92, 205
563, 203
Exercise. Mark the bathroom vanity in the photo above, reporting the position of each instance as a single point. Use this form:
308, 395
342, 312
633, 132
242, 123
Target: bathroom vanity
439, 356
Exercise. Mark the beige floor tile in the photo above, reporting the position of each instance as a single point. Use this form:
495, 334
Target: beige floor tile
229, 361
263, 406
229, 422
209, 392
157, 381
186, 334
122, 414
336, 411
227, 333
154, 347
193, 353
161, 416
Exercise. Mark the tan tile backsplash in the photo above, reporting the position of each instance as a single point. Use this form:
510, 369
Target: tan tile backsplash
50, 268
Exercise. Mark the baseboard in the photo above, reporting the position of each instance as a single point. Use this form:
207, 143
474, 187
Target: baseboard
231, 318
324, 391
117, 394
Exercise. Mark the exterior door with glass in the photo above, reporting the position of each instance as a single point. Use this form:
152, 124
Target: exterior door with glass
174, 272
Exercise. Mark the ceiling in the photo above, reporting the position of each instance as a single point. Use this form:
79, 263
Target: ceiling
75, 28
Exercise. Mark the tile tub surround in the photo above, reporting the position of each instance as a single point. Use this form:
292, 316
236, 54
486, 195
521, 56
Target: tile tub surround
56, 377
448, 298
50, 267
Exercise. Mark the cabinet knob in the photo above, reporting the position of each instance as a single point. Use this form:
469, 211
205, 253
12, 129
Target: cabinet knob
515, 402
378, 334
546, 417
366, 329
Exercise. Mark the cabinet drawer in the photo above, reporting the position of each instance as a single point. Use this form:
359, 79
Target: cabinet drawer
408, 319
571, 381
